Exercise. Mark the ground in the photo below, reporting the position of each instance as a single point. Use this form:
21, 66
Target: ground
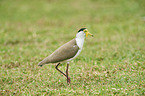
111, 63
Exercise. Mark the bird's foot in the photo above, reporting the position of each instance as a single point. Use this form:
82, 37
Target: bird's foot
68, 80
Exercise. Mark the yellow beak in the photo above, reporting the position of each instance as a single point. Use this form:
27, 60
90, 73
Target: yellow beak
87, 33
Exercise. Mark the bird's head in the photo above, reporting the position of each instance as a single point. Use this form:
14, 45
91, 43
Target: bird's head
85, 32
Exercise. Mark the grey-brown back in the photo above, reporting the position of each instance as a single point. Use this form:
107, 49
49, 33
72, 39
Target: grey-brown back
65, 52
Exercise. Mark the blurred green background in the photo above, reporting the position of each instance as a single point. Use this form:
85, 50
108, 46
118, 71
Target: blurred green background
111, 63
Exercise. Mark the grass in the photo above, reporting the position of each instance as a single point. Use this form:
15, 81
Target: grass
111, 63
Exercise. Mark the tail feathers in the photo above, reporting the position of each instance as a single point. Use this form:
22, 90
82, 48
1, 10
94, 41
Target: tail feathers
44, 61
40, 64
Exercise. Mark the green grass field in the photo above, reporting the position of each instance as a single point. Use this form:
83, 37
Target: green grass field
111, 63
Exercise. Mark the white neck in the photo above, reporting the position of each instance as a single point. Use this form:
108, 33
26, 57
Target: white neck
80, 39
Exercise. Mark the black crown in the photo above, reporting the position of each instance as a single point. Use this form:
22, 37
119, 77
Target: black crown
81, 29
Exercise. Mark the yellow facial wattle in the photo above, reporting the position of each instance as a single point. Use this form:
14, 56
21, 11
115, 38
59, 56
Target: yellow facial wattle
87, 33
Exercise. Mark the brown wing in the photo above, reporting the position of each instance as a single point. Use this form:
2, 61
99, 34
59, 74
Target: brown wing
65, 52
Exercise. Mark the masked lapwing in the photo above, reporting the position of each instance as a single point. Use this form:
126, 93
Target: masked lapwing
67, 52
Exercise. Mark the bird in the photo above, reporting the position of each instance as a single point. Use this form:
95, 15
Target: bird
67, 52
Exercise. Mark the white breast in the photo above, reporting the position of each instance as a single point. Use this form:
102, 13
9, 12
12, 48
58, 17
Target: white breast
80, 41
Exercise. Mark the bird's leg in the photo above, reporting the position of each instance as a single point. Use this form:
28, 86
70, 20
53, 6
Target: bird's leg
68, 79
59, 70
66, 75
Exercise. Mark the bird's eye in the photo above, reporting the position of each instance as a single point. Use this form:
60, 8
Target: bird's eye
85, 30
